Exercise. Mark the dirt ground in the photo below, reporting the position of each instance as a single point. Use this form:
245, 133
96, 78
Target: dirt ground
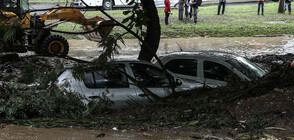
262, 109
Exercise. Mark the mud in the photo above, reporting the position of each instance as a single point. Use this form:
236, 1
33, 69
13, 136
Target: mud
237, 111
262, 104
29, 69
13, 132
270, 61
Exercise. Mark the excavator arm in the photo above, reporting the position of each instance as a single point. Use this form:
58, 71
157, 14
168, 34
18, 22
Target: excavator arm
75, 16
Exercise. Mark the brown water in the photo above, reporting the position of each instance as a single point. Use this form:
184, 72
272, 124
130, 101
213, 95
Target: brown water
244, 46
13, 132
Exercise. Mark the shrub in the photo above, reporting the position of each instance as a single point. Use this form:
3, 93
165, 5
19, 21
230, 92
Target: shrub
18, 104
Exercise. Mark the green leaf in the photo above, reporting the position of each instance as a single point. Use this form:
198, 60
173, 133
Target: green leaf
193, 123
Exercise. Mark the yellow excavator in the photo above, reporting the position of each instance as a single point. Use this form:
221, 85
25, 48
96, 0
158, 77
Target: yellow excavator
38, 37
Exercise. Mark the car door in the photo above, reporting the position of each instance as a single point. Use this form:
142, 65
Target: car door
186, 69
112, 86
152, 78
215, 73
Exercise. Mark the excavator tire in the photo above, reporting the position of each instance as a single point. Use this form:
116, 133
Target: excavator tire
55, 45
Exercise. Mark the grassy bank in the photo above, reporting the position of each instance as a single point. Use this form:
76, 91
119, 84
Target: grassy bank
238, 21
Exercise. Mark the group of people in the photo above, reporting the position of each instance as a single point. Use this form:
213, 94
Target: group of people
191, 6
286, 6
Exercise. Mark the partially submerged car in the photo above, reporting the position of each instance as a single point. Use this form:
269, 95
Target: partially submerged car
212, 68
118, 85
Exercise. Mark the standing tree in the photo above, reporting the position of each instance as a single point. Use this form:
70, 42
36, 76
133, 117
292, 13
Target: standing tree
152, 33
281, 6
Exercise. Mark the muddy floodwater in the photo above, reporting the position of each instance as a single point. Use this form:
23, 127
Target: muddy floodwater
13, 132
244, 46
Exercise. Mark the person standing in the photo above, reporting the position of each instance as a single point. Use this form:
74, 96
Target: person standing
220, 4
166, 10
288, 5
181, 8
260, 3
194, 6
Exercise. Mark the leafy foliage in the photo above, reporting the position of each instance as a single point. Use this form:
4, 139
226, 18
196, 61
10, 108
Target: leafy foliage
133, 24
10, 34
18, 104
136, 19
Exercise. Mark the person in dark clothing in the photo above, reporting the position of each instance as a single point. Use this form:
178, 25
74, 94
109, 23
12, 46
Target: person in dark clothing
260, 4
181, 8
188, 11
220, 4
194, 6
288, 5
166, 10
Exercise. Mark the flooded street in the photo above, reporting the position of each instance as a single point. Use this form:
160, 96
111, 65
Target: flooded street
244, 46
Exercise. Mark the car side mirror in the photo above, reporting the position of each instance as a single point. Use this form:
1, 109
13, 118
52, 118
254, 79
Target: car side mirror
178, 82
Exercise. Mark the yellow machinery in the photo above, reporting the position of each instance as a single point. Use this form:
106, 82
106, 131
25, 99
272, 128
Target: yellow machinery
38, 36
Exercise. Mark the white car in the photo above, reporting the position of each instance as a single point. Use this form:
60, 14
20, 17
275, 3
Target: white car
212, 68
119, 88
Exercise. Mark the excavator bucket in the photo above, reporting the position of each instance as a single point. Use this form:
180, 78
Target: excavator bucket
100, 30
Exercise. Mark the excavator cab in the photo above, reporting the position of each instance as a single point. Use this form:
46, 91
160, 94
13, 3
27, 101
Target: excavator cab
18, 7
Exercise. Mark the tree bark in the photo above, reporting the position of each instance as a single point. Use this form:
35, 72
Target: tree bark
152, 33
281, 6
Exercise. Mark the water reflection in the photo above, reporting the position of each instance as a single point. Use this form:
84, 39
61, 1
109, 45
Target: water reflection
244, 46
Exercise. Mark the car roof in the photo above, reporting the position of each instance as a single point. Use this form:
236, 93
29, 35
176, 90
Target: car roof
70, 66
200, 54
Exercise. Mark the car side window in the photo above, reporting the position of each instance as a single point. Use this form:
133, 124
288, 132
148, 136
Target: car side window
149, 76
106, 78
216, 71
89, 80
183, 66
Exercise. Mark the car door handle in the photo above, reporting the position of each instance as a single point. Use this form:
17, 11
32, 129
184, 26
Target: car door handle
143, 95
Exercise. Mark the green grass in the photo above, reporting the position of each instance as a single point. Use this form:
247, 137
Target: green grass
238, 21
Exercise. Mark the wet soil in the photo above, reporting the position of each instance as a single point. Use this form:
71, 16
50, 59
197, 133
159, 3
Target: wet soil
29, 69
14, 132
266, 108
260, 109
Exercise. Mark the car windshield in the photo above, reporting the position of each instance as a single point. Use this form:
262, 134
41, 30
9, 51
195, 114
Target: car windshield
249, 69
24, 5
